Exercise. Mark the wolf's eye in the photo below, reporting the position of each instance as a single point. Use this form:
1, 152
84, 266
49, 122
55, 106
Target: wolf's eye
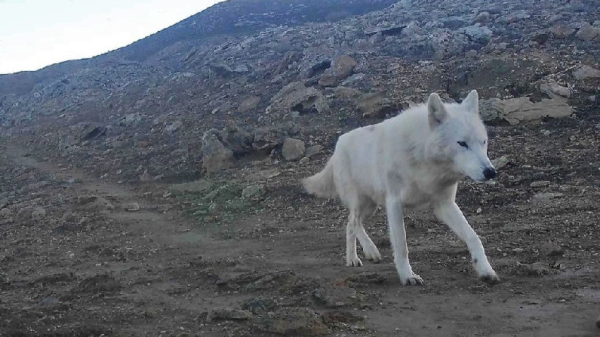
463, 144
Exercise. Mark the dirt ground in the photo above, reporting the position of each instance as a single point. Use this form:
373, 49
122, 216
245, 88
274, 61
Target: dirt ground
84, 256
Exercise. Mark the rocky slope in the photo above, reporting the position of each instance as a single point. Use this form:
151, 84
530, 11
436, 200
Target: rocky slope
150, 103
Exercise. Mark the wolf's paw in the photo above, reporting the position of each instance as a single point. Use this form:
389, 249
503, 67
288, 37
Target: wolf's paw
373, 254
353, 262
490, 278
413, 280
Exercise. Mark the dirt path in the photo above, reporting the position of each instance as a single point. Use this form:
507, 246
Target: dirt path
91, 265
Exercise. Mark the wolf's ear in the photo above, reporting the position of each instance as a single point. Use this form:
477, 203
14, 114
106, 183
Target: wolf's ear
436, 110
471, 102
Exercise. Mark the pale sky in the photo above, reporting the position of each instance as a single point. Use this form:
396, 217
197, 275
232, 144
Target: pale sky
37, 33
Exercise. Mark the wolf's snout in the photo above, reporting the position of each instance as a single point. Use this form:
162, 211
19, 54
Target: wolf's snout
489, 173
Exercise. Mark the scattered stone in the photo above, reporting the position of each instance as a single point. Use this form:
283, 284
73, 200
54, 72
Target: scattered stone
131, 120
132, 207
266, 139
336, 317
546, 197
552, 89
171, 129
551, 249
584, 72
376, 105
518, 250
336, 296
145, 177
297, 97
293, 149
304, 161
229, 315
477, 33
541, 183
292, 322
561, 31
394, 30
533, 269
259, 305
588, 32
39, 213
342, 68
215, 155
482, 17
540, 37
249, 104
519, 110
94, 202
253, 191
314, 150
5, 213
500, 163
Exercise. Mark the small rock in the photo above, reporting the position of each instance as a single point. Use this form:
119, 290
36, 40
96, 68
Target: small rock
173, 127
249, 103
253, 191
342, 68
293, 149
336, 296
482, 17
533, 269
5, 213
304, 161
145, 177
540, 37
552, 89
314, 150
132, 207
584, 72
215, 155
376, 105
518, 250
471, 53
546, 196
477, 33
38, 213
94, 202
541, 183
501, 162
598, 322
229, 315
293, 322
588, 32
561, 31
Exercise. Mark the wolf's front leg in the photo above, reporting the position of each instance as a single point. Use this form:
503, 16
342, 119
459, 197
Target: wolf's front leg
450, 214
398, 239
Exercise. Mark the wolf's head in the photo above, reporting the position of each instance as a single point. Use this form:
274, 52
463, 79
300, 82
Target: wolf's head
458, 136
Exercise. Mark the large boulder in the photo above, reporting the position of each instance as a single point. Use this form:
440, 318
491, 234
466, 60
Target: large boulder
343, 67
215, 155
522, 109
299, 98
292, 149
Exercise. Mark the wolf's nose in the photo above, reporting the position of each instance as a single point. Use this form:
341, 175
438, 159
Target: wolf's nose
489, 173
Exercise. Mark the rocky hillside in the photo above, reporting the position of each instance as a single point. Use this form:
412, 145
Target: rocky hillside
233, 82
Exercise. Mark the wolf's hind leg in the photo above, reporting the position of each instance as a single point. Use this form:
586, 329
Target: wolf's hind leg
369, 248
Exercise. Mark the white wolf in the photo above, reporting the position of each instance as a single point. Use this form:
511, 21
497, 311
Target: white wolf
414, 159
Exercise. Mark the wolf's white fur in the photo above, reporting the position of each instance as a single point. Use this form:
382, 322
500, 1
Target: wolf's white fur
414, 159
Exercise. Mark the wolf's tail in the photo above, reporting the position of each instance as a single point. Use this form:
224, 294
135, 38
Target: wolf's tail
321, 184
